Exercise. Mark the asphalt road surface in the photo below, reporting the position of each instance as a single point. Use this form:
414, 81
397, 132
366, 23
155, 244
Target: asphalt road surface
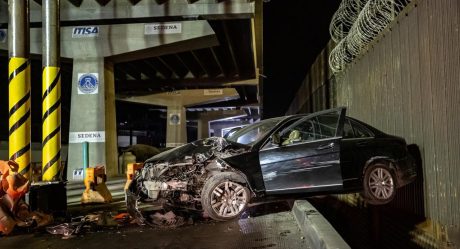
264, 226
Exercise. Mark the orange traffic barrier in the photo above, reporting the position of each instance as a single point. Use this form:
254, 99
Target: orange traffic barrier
96, 191
131, 168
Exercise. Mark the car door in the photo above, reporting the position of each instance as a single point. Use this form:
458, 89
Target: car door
356, 144
307, 158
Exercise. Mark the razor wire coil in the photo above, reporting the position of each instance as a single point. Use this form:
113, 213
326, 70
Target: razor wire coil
373, 18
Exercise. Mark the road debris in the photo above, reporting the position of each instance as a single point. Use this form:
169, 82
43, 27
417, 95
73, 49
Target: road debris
79, 225
168, 219
14, 186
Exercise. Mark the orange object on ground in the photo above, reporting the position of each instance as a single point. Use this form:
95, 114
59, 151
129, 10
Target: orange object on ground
121, 216
14, 186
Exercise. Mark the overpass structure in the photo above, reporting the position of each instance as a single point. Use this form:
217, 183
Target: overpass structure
114, 52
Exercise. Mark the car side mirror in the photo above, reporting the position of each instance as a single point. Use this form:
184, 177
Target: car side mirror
276, 139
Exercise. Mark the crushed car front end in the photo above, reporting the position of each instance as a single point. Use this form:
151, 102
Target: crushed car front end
176, 177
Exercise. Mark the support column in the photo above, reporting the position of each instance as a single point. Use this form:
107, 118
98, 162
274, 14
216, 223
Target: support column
51, 91
176, 131
87, 113
203, 128
111, 145
19, 85
176, 128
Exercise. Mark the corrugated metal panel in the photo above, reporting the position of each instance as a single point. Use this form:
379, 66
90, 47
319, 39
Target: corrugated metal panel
408, 84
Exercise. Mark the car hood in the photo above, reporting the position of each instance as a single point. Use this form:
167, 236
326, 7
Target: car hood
200, 151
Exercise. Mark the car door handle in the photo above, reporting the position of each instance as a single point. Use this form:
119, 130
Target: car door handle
326, 146
364, 143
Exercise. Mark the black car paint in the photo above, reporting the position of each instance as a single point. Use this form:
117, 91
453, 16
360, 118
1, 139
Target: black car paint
301, 167
355, 155
243, 163
310, 166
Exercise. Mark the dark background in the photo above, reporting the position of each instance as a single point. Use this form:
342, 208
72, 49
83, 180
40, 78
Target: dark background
295, 32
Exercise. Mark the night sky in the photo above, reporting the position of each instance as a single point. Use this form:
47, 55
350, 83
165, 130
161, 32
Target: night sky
295, 32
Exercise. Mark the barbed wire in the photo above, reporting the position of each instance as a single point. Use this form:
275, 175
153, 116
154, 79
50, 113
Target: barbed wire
374, 17
344, 17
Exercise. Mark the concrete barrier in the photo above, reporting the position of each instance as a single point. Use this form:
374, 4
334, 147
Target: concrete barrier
317, 230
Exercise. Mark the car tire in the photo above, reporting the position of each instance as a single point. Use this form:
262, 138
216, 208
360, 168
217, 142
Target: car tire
379, 184
225, 196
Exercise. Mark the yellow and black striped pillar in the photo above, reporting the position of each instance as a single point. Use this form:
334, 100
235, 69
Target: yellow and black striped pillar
51, 90
19, 113
51, 117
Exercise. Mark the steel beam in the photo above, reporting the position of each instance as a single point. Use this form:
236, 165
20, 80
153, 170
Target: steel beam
76, 10
158, 83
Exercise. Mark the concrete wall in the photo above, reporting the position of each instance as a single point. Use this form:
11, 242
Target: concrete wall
87, 114
407, 84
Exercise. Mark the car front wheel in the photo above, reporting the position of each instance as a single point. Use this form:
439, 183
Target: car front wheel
379, 184
225, 196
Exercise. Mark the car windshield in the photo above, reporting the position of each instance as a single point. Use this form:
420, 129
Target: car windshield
251, 134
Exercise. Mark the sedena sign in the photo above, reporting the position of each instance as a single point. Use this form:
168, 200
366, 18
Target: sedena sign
87, 136
162, 28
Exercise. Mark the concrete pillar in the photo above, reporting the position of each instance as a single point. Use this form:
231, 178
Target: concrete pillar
203, 128
111, 141
176, 127
176, 134
87, 113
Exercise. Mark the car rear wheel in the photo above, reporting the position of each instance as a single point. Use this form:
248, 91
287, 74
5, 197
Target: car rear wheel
379, 184
225, 196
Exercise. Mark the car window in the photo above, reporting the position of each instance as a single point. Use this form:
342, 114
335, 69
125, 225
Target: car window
318, 127
250, 134
360, 130
328, 124
347, 129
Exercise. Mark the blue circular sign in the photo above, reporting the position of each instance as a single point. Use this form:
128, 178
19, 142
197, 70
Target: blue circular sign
175, 119
87, 83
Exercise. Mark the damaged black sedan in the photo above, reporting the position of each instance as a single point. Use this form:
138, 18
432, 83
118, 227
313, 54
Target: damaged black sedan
323, 152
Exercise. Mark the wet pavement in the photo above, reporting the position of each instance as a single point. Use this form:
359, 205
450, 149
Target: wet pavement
263, 226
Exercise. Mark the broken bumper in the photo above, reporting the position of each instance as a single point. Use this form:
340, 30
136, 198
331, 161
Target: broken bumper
132, 206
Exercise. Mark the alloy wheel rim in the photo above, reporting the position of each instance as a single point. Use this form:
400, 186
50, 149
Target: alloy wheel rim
381, 183
228, 199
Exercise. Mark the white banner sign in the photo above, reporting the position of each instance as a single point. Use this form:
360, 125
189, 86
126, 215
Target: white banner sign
87, 136
3, 35
88, 83
162, 28
90, 31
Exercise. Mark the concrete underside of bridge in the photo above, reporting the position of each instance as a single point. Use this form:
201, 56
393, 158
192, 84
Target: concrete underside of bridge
93, 55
